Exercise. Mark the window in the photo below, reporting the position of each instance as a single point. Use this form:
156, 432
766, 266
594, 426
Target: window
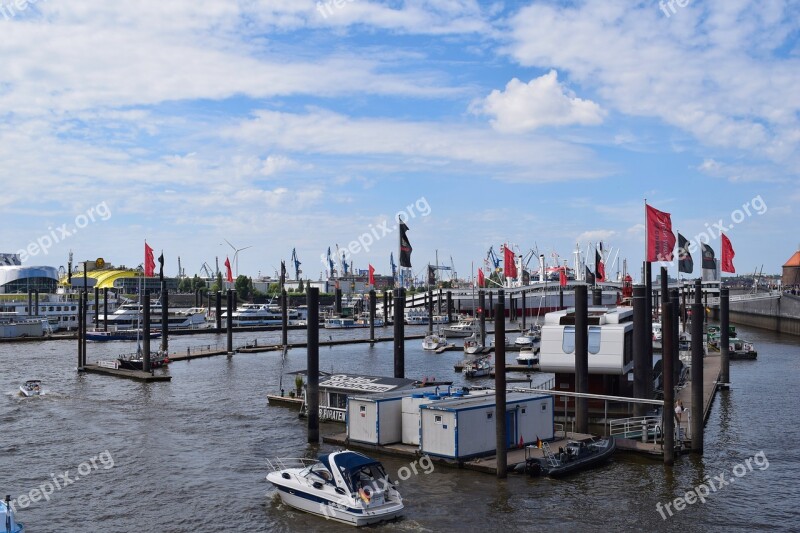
489, 415
628, 354
544, 407
594, 339
362, 409
437, 419
523, 410
568, 340
338, 400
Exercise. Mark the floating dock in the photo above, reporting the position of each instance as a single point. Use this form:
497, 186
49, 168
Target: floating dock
137, 375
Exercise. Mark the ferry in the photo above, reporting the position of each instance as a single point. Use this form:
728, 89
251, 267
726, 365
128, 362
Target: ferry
129, 317
260, 315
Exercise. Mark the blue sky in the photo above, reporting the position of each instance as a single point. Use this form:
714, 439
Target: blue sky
263, 122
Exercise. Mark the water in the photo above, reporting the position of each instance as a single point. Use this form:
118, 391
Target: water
189, 455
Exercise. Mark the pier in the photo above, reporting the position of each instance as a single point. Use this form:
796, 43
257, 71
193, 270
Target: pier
137, 375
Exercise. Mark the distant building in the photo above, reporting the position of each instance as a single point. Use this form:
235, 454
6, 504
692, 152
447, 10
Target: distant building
791, 271
16, 278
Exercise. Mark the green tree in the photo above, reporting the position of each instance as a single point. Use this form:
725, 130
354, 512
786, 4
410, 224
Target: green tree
300, 287
199, 283
185, 285
244, 287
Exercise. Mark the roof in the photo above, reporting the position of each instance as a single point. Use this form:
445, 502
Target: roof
793, 261
360, 383
104, 278
472, 402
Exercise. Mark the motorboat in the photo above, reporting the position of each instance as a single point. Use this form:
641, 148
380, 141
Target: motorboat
129, 317
340, 323
345, 486
433, 342
119, 335
465, 327
528, 337
7, 521
32, 387
528, 356
472, 345
478, 368
577, 456
135, 361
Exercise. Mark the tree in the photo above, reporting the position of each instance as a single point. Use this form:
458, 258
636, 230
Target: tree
244, 287
199, 283
300, 287
185, 285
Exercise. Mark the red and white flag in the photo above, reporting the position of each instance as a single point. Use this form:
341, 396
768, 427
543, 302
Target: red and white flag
371, 275
660, 239
727, 256
149, 261
509, 263
481, 279
228, 273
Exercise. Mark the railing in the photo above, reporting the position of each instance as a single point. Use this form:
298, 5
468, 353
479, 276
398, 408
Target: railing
637, 427
282, 463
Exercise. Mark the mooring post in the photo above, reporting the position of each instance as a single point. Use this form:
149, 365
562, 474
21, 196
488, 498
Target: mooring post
429, 302
581, 358
560, 298
491, 306
229, 322
96, 308
80, 333
372, 304
284, 318
724, 336
684, 288
36, 302
641, 372
674, 299
337, 302
105, 308
697, 370
312, 363
85, 297
219, 312
164, 318
524, 310
385, 308
648, 287
667, 371
399, 333
597, 296
449, 303
500, 390
482, 312
439, 303
30, 302
146, 333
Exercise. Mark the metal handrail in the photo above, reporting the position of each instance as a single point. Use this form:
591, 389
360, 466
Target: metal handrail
638, 426
282, 463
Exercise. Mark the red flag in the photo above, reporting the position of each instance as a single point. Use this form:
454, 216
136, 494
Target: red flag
727, 256
228, 274
562, 276
371, 275
660, 239
149, 261
599, 267
481, 279
509, 266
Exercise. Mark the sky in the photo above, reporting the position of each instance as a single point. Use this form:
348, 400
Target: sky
295, 124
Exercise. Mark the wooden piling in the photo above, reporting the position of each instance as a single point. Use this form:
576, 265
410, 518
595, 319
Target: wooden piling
219, 312
648, 288
449, 303
399, 332
724, 335
597, 296
229, 322
80, 333
697, 370
581, 357
385, 308
429, 303
96, 308
285, 318
372, 304
482, 311
146, 333
674, 299
105, 308
667, 371
500, 389
524, 311
312, 364
164, 318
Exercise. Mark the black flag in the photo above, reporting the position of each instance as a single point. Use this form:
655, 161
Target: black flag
405, 247
709, 261
283, 273
589, 276
431, 275
161, 267
685, 262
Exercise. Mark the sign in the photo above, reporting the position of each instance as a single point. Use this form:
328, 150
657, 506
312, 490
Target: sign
331, 413
354, 383
99, 262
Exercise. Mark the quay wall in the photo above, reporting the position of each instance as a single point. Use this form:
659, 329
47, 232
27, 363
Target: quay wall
775, 314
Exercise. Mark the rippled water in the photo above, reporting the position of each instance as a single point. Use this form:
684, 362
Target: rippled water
189, 455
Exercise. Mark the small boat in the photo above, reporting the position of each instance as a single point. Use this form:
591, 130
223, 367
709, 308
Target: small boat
528, 357
528, 337
7, 521
345, 486
478, 368
135, 361
118, 335
32, 387
433, 342
465, 327
340, 323
577, 456
472, 345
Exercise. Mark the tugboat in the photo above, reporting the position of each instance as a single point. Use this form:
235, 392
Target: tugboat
345, 486
577, 456
7, 518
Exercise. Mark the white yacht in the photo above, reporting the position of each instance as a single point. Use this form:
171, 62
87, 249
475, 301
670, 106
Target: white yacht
528, 337
344, 486
465, 327
433, 342
128, 317
260, 315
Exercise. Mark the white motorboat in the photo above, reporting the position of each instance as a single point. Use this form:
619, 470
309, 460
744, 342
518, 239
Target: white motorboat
478, 368
433, 342
7, 521
32, 387
344, 486
340, 323
528, 357
465, 327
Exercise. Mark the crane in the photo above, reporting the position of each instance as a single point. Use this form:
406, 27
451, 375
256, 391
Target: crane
297, 264
207, 269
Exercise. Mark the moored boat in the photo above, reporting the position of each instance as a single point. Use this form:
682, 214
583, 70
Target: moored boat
7, 521
528, 337
135, 361
528, 356
345, 486
478, 368
472, 345
577, 456
465, 327
118, 335
433, 342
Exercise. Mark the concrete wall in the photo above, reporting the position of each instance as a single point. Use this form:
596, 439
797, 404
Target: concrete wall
775, 314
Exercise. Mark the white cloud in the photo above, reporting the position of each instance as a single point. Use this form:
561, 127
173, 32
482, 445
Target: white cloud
541, 102
596, 236
276, 163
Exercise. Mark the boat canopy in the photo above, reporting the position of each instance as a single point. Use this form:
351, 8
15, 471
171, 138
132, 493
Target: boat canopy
350, 465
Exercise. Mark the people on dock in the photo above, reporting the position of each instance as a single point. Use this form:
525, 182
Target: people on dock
679, 409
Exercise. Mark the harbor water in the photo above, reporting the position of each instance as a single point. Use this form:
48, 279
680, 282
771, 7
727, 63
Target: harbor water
190, 455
